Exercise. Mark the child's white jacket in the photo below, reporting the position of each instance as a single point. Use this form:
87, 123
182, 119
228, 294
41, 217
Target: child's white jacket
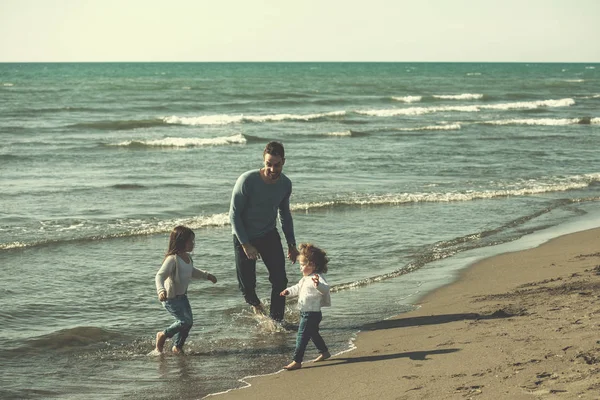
311, 298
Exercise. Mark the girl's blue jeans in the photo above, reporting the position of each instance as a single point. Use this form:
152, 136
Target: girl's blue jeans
179, 307
309, 330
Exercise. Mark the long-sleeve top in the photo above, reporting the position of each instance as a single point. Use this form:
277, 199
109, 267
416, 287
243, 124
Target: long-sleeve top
181, 280
311, 298
254, 206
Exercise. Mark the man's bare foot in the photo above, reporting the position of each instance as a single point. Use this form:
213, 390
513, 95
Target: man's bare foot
258, 309
322, 357
177, 350
160, 341
293, 365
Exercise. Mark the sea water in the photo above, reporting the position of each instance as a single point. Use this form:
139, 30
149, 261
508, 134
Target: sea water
404, 172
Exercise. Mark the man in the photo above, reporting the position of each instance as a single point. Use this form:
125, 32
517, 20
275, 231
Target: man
257, 197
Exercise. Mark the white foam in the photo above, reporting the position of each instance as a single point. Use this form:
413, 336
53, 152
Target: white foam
447, 127
595, 121
12, 245
574, 80
342, 133
473, 108
211, 220
224, 119
473, 73
187, 142
464, 96
221, 119
590, 67
521, 188
7, 84
534, 121
415, 111
408, 99
295, 117
530, 104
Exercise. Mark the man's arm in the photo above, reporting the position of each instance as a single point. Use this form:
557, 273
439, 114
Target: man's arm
236, 208
287, 226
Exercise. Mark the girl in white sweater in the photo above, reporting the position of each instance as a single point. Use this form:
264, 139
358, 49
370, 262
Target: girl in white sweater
175, 273
313, 293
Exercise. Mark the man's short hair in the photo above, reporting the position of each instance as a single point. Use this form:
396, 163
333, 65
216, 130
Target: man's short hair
275, 149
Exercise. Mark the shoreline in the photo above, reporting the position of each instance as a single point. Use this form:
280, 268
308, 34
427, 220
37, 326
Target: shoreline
517, 325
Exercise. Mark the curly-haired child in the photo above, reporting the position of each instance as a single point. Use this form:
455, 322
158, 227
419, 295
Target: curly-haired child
313, 293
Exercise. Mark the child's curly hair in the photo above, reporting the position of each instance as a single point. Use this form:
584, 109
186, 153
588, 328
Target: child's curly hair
315, 256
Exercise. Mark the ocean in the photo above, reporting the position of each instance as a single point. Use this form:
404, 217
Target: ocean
403, 172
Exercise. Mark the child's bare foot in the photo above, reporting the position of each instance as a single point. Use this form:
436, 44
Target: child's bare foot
177, 350
160, 341
293, 365
322, 357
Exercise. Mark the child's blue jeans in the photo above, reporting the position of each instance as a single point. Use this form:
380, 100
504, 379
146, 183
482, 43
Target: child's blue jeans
179, 307
309, 330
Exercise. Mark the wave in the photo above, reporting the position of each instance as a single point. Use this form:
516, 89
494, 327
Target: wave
444, 127
225, 119
119, 125
529, 187
128, 186
333, 134
9, 157
122, 229
136, 227
408, 99
340, 134
523, 105
545, 121
73, 337
464, 96
27, 112
184, 142
448, 248
67, 190
415, 111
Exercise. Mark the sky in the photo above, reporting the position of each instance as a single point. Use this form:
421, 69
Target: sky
300, 30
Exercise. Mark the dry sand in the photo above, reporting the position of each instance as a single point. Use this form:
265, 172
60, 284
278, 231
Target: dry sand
522, 325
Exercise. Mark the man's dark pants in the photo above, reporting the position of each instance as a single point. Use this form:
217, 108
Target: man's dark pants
271, 252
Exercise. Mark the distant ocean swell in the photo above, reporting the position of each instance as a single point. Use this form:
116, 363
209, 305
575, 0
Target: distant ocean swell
522, 105
184, 142
416, 99
546, 121
233, 119
240, 139
137, 227
227, 119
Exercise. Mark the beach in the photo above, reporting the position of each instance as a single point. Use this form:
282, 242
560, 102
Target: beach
519, 325
405, 173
